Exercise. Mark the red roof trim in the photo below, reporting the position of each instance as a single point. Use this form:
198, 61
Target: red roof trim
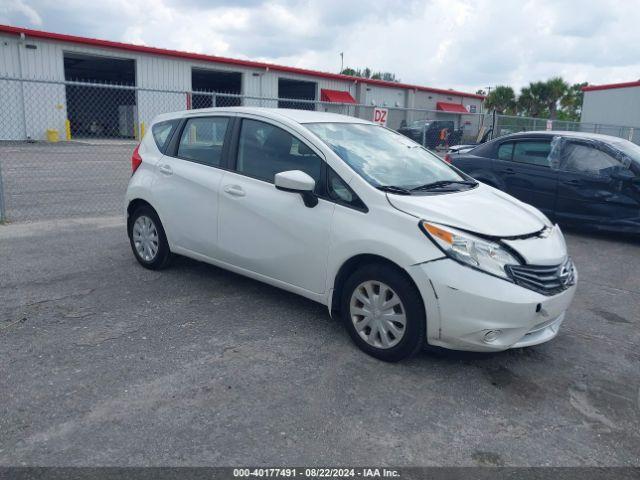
451, 107
336, 96
609, 86
231, 61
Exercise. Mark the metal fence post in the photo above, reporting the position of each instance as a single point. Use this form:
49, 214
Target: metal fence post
494, 125
3, 215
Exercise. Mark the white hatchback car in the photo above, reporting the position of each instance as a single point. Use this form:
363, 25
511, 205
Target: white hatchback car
405, 248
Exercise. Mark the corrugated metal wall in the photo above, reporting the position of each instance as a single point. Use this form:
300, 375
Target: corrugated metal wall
270, 83
384, 96
12, 110
30, 119
429, 100
9, 62
45, 62
616, 106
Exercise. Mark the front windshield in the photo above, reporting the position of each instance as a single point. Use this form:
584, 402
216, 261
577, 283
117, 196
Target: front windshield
419, 124
383, 157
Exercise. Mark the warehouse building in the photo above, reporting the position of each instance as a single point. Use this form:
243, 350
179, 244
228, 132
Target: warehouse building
133, 83
616, 104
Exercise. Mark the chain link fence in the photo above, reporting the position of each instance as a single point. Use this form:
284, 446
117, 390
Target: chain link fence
65, 147
506, 124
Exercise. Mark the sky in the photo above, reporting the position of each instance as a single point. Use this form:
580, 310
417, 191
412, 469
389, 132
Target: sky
461, 44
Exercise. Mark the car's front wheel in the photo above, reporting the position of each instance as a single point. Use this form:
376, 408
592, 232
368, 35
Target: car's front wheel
147, 238
383, 312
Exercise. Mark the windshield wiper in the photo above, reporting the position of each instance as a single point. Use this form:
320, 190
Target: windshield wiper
443, 183
394, 189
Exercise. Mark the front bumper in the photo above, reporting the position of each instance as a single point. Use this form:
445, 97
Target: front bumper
464, 305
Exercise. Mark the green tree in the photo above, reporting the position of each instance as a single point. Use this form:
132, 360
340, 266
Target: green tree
368, 73
386, 76
571, 103
533, 100
555, 90
502, 99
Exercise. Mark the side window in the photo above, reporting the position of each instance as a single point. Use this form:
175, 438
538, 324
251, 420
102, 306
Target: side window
578, 157
340, 192
265, 150
162, 131
202, 140
533, 152
505, 151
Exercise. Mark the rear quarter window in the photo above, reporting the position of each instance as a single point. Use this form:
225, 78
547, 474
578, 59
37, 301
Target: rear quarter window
483, 150
505, 151
533, 152
162, 132
202, 140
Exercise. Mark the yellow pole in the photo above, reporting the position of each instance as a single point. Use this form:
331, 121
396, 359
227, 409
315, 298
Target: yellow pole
67, 129
141, 130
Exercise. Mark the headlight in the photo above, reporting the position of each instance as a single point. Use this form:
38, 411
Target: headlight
476, 252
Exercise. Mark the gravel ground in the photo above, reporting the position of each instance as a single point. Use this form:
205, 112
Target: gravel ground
106, 363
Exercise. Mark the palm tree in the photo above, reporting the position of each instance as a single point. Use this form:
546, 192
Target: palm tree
571, 103
502, 99
556, 88
529, 101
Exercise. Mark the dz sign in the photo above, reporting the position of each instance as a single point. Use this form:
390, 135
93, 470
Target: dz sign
380, 116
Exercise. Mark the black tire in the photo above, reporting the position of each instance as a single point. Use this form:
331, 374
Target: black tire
414, 337
163, 255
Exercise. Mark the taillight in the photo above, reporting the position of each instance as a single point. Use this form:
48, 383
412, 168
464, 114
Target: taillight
447, 158
136, 160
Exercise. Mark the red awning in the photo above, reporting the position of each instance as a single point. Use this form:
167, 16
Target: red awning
336, 96
451, 107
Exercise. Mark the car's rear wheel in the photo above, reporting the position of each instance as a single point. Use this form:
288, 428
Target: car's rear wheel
383, 312
147, 238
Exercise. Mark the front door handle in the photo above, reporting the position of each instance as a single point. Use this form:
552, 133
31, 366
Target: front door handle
572, 182
166, 169
235, 190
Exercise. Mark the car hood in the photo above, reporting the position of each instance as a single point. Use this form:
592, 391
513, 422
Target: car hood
484, 210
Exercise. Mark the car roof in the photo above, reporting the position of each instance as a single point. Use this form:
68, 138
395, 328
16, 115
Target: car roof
299, 116
561, 133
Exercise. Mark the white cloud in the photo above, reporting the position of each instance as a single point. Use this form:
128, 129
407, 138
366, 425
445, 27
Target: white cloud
9, 8
464, 44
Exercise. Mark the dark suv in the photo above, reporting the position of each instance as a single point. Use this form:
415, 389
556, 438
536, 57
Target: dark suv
428, 132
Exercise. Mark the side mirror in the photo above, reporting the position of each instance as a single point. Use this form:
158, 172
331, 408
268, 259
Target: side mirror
623, 175
296, 181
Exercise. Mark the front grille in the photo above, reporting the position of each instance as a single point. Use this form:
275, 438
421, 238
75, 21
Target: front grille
545, 279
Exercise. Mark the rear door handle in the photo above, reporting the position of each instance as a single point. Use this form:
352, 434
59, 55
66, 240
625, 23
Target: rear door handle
235, 190
509, 171
166, 169
572, 182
